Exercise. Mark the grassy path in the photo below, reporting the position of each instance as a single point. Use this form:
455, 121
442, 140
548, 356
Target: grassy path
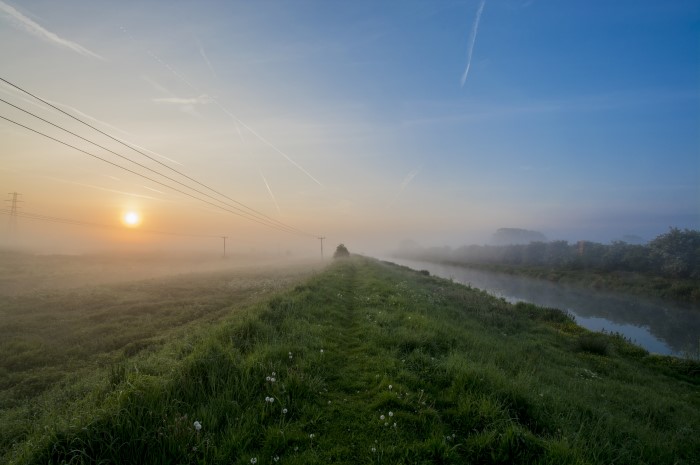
372, 363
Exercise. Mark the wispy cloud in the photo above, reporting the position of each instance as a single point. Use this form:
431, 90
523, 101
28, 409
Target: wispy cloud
201, 100
151, 152
85, 115
34, 28
114, 191
472, 41
187, 106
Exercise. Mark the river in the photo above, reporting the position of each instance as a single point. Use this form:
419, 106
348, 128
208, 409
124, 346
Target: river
658, 326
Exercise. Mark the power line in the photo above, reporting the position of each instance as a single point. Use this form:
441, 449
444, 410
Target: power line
13, 211
148, 156
139, 164
273, 226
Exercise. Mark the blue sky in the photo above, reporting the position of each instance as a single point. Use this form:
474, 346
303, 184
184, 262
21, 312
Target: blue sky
351, 120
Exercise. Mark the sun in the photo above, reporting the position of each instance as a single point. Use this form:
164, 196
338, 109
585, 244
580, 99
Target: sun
131, 219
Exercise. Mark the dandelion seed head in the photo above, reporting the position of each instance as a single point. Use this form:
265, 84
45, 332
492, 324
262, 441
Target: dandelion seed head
391, 387
312, 435
374, 449
267, 379
381, 417
391, 414
254, 460
197, 426
284, 410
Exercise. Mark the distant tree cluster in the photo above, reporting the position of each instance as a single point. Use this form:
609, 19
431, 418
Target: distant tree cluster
341, 252
511, 236
675, 254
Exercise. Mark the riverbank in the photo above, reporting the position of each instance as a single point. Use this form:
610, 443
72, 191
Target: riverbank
368, 362
677, 290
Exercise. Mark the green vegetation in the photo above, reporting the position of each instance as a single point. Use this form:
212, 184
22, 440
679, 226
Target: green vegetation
667, 267
341, 252
369, 362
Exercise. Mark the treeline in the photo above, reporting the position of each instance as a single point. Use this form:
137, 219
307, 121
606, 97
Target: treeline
675, 255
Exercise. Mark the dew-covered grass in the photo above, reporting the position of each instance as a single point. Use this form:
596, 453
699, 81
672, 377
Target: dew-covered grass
368, 362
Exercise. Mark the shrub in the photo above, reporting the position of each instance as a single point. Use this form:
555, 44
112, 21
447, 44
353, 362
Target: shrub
341, 252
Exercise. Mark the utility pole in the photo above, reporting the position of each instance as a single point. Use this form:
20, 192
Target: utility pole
321, 239
13, 211
224, 238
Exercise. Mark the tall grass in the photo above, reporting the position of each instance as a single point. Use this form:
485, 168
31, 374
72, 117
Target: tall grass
373, 363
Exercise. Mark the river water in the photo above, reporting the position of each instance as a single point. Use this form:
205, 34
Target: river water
660, 327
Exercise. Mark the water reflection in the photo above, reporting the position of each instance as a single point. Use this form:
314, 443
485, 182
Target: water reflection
659, 327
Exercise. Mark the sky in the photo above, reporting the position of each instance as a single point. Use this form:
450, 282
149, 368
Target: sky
364, 122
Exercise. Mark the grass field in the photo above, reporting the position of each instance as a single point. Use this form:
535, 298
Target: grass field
365, 362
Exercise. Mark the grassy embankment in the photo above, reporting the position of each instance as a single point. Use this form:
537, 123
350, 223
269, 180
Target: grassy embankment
680, 290
373, 363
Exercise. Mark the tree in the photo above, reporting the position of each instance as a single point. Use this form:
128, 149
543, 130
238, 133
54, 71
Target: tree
510, 236
677, 253
341, 252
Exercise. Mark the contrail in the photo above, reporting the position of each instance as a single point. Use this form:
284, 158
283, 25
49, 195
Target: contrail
225, 110
34, 28
152, 189
271, 194
206, 59
267, 142
472, 40
409, 177
406, 181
